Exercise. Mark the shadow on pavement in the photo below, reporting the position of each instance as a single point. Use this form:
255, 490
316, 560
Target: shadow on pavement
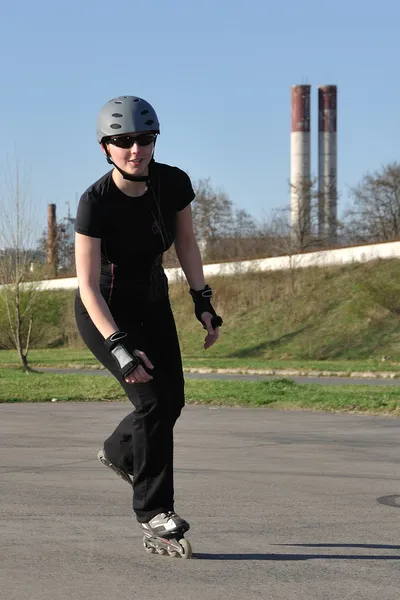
375, 546
298, 557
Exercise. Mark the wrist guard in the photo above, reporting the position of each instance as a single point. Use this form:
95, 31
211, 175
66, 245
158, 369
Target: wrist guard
202, 303
125, 361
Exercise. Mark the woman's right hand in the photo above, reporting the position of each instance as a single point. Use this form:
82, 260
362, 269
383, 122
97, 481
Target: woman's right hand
132, 365
140, 375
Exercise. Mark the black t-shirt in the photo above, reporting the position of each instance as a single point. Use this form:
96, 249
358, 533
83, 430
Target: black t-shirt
134, 232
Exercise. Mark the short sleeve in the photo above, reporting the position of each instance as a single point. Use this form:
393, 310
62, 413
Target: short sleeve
185, 192
89, 217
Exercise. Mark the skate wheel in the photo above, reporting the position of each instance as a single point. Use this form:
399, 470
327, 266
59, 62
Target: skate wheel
186, 548
173, 553
147, 547
161, 551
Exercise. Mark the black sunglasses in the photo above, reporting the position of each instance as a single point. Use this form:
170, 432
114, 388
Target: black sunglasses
127, 141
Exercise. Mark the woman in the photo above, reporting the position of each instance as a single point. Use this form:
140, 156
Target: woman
125, 222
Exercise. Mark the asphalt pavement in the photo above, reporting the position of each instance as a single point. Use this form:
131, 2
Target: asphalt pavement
283, 505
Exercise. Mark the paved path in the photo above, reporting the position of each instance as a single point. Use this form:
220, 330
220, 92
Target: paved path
234, 376
283, 506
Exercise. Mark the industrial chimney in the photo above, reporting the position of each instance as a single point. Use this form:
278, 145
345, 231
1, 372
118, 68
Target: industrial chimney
327, 163
300, 167
51, 250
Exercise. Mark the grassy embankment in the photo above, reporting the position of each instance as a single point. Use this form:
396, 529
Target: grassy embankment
341, 319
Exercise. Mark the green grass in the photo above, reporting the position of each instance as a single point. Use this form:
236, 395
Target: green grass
344, 318
335, 314
16, 386
51, 357
67, 357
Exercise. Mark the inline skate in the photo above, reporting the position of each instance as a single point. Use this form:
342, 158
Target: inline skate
164, 534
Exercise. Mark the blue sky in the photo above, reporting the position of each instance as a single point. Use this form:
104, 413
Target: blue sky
219, 75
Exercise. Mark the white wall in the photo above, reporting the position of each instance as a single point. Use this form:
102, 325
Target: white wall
340, 256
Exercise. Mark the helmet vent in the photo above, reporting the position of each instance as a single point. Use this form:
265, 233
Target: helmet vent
149, 122
115, 126
117, 115
117, 101
137, 100
144, 112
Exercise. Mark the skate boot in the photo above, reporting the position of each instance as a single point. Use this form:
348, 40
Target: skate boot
101, 455
164, 534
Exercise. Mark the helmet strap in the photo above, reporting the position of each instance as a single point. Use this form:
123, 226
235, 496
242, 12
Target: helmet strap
129, 177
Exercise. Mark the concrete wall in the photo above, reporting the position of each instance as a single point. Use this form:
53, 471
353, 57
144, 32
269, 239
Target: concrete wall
340, 256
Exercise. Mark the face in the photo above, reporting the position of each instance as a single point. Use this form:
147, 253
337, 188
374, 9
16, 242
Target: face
135, 158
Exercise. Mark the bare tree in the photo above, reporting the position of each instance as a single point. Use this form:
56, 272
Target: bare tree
375, 214
292, 240
279, 239
212, 213
223, 231
244, 224
303, 215
243, 241
212, 220
246, 241
18, 291
64, 246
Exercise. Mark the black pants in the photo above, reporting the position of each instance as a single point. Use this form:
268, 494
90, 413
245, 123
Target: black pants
142, 444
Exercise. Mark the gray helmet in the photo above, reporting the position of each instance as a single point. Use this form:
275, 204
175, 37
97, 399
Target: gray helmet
126, 114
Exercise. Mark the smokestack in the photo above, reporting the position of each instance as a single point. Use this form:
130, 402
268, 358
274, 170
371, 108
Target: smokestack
51, 250
327, 162
300, 167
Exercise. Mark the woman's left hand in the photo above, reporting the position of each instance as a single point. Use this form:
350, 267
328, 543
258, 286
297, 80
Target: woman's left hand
212, 334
